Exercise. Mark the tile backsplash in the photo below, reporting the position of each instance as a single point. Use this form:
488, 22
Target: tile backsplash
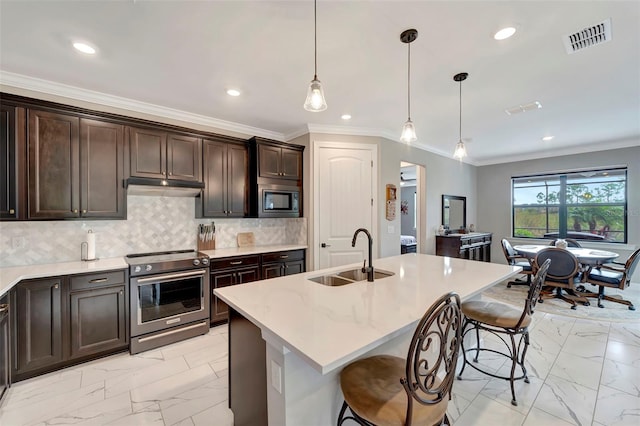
153, 224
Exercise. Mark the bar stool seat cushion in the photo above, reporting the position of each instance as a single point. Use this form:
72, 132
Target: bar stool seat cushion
372, 388
526, 266
494, 313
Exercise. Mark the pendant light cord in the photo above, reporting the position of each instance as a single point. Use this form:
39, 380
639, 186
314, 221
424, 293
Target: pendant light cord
460, 128
315, 41
409, 82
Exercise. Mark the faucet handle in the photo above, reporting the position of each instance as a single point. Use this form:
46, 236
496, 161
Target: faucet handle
364, 265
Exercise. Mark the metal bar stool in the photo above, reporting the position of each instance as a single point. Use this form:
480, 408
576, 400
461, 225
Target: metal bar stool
500, 319
387, 390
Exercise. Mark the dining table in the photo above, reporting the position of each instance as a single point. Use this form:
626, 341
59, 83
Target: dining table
586, 256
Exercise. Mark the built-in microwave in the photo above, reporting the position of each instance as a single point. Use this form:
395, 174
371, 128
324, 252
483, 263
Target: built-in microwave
278, 201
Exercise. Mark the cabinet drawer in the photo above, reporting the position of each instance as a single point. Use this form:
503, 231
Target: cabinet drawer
234, 262
81, 282
283, 256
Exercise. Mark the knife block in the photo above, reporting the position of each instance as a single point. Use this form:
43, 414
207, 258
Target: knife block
206, 245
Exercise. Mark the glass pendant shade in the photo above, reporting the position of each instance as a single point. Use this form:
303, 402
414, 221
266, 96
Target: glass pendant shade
315, 97
408, 132
460, 151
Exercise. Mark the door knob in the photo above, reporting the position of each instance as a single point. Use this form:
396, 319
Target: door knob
323, 245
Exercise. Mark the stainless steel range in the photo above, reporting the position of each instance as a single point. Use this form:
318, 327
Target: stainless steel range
169, 297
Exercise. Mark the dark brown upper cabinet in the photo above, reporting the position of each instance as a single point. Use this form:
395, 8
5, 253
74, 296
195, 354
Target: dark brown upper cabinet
277, 162
76, 167
13, 198
225, 177
157, 154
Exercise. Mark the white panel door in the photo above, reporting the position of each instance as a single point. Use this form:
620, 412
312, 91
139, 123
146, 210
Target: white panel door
345, 194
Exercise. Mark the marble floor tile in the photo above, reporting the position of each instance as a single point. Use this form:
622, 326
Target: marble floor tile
617, 375
585, 347
566, 400
99, 413
538, 417
144, 376
485, 411
583, 371
149, 415
30, 392
595, 330
456, 406
623, 353
194, 401
212, 353
500, 390
616, 408
219, 415
628, 333
119, 365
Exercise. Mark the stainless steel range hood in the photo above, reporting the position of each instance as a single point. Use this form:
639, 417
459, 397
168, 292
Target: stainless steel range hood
163, 187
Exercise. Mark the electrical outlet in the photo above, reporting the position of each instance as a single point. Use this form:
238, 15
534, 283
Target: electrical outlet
276, 376
18, 242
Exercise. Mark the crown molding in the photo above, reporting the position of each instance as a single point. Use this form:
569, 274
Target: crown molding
77, 93
579, 149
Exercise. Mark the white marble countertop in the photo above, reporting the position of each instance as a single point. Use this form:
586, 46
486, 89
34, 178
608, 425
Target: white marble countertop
241, 251
10, 276
330, 326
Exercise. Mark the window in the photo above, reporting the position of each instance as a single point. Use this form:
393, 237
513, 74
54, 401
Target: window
586, 205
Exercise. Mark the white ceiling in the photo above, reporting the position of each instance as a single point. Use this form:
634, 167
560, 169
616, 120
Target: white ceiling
184, 55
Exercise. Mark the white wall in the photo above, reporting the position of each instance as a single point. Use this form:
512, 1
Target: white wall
407, 220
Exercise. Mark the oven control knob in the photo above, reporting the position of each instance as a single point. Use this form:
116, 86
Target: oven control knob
148, 268
205, 261
196, 262
137, 269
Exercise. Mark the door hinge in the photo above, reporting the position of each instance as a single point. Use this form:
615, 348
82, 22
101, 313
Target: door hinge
372, 164
372, 202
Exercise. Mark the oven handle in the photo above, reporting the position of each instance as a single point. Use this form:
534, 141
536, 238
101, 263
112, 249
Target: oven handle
169, 277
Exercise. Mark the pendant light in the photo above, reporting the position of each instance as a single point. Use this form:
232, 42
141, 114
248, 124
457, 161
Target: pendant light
460, 151
315, 95
408, 130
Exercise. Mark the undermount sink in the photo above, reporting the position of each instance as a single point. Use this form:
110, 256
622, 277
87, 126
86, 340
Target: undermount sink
348, 277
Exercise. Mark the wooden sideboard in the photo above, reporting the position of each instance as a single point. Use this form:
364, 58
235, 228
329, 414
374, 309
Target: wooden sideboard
473, 246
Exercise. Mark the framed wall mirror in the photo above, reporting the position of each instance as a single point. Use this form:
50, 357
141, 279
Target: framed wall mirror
454, 212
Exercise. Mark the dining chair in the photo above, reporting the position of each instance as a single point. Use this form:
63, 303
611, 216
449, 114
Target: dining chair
616, 275
515, 259
570, 242
388, 390
503, 321
563, 274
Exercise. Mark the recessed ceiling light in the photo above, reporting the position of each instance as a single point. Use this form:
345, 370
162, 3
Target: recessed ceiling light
504, 33
547, 138
84, 48
346, 116
233, 92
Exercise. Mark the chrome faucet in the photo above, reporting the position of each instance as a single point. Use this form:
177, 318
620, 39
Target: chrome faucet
368, 270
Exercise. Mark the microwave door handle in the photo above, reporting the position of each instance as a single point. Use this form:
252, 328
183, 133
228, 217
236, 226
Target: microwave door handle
170, 277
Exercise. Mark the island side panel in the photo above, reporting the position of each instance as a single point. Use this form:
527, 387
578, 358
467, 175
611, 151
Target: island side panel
247, 372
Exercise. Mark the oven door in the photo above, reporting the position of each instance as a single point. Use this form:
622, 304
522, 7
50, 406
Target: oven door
167, 300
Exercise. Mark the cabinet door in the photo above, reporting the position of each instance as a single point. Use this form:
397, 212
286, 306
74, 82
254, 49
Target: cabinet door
294, 267
219, 309
98, 320
4, 345
214, 196
291, 164
37, 309
8, 183
237, 180
184, 159
269, 161
101, 169
53, 165
247, 275
272, 270
148, 153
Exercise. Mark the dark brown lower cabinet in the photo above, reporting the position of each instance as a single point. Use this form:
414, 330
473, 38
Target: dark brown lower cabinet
282, 263
60, 321
38, 319
98, 320
230, 271
4, 345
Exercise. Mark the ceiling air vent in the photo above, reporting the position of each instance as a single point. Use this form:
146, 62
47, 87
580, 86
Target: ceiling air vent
588, 37
523, 108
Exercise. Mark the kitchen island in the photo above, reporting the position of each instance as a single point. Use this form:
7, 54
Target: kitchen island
289, 337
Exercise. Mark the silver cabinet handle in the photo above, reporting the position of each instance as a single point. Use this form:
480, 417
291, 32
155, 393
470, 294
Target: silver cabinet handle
99, 280
4, 308
12, 211
75, 210
84, 210
284, 256
121, 292
239, 262
56, 285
